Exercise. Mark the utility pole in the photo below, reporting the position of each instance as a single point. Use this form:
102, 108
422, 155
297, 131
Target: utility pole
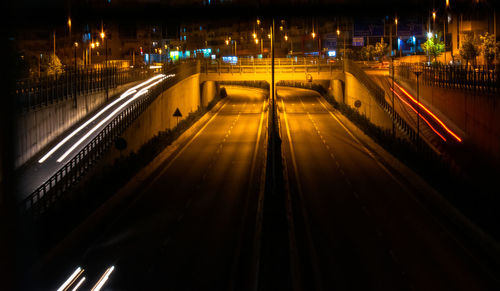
393, 108
390, 39
417, 73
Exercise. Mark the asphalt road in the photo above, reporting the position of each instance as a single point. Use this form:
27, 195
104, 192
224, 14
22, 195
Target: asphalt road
356, 225
193, 224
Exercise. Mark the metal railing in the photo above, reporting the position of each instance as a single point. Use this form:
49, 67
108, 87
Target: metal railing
477, 78
42, 91
379, 95
66, 177
263, 66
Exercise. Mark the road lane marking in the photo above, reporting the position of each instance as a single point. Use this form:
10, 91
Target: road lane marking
365, 149
314, 259
256, 148
185, 147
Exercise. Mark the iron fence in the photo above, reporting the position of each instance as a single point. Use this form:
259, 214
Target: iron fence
52, 190
478, 78
36, 92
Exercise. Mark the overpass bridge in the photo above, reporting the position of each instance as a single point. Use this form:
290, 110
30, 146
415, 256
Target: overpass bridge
330, 73
260, 69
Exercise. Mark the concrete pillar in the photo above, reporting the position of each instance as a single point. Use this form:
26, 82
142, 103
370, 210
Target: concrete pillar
208, 92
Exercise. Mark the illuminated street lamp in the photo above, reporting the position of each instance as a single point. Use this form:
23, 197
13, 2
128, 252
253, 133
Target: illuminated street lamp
313, 35
75, 45
103, 35
417, 73
429, 36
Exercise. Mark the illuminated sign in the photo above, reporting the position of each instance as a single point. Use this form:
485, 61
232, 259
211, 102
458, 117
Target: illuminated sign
174, 55
332, 54
230, 59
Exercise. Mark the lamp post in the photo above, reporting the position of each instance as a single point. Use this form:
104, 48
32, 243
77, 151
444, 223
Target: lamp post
75, 46
393, 108
397, 39
103, 35
417, 73
92, 45
429, 36
106, 72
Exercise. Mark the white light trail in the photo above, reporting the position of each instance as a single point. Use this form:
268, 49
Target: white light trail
123, 96
117, 110
79, 284
103, 279
71, 278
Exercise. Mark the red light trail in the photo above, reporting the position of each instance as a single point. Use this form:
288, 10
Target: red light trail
428, 111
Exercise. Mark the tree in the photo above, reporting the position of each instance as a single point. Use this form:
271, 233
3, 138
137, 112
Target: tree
489, 48
51, 64
367, 52
433, 46
469, 50
381, 49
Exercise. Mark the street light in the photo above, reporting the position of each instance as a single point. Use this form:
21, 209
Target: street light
397, 39
417, 73
75, 46
393, 108
103, 35
429, 36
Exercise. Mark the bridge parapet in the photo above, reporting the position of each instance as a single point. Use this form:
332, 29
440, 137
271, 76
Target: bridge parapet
260, 69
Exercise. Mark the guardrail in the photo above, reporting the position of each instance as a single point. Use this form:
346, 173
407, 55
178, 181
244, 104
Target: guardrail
37, 92
478, 78
66, 177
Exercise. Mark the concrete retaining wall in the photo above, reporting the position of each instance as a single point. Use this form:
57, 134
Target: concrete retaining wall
355, 91
38, 128
478, 115
187, 95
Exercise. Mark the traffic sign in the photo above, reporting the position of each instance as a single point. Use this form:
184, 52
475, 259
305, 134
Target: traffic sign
177, 113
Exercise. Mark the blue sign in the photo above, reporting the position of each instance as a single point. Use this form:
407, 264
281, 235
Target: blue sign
358, 41
332, 54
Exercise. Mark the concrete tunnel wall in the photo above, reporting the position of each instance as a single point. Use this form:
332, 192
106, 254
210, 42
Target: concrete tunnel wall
354, 91
476, 114
187, 95
38, 128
